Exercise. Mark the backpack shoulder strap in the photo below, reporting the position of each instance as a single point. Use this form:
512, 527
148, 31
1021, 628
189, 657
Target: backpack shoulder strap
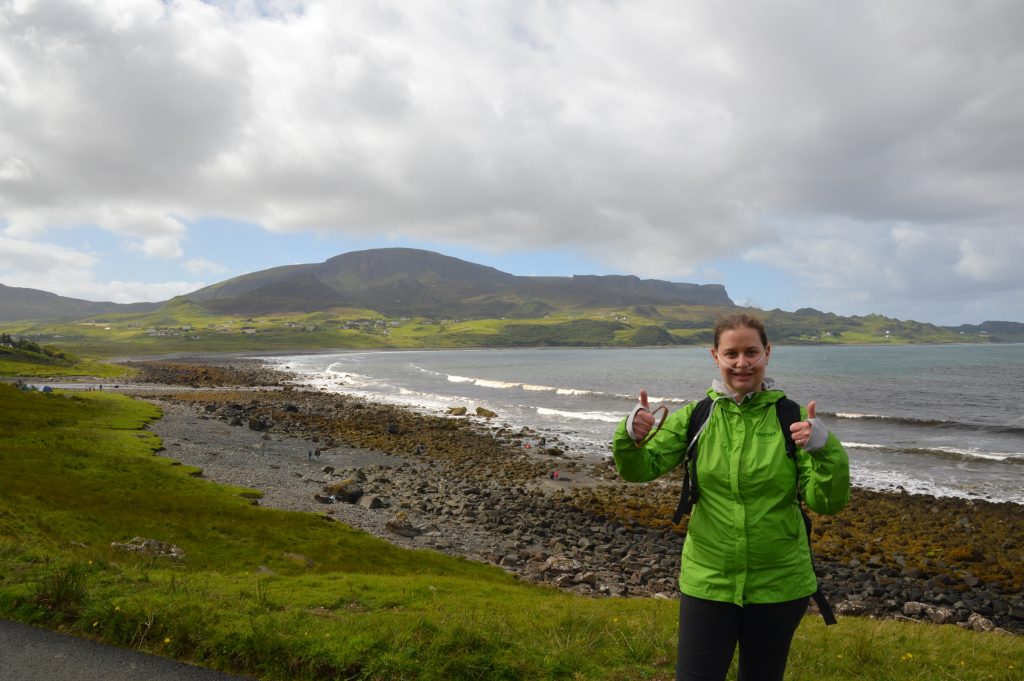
688, 495
698, 417
788, 412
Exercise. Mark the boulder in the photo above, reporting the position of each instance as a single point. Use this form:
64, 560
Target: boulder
150, 547
937, 614
561, 564
344, 490
371, 502
259, 423
401, 526
486, 413
980, 623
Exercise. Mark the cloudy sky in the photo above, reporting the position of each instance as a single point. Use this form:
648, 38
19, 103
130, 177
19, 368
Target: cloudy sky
854, 157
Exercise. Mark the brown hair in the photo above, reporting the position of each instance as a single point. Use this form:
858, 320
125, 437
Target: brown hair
735, 321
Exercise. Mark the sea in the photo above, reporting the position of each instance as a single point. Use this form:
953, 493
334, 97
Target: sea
946, 420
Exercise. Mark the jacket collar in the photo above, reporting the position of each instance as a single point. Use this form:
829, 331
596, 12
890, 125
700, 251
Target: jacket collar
719, 386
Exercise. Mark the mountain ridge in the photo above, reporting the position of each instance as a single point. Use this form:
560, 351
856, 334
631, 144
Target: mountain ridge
413, 282
18, 303
406, 281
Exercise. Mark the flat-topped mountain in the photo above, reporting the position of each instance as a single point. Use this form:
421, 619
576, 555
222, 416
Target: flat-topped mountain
407, 281
491, 308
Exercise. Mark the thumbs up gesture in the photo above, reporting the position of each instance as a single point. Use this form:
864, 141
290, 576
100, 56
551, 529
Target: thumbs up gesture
801, 430
643, 421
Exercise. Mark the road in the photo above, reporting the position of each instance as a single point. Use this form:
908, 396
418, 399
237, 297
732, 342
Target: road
31, 654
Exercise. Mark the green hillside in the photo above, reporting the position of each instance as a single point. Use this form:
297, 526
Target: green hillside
185, 327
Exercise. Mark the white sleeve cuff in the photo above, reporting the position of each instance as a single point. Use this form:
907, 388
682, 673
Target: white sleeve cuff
629, 421
819, 435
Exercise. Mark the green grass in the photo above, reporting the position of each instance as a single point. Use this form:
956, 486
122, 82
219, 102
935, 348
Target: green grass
14, 362
181, 326
291, 596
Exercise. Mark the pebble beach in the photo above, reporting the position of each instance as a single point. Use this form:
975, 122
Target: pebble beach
467, 486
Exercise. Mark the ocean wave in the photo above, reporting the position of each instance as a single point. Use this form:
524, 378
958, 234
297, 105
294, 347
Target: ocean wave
959, 453
487, 383
607, 417
928, 423
664, 400
334, 376
539, 388
890, 480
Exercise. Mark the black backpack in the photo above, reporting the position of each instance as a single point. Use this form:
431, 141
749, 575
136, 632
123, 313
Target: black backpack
788, 412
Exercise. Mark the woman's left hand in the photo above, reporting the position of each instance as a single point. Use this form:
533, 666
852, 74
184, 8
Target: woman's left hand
801, 430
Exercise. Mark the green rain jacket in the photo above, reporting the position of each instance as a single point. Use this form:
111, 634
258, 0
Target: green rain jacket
746, 541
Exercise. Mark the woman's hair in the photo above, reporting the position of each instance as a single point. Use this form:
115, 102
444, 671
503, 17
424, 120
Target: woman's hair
735, 321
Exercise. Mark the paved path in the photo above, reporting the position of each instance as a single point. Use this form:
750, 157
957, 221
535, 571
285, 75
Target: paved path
31, 654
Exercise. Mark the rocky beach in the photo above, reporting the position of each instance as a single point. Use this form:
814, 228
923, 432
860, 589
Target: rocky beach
469, 486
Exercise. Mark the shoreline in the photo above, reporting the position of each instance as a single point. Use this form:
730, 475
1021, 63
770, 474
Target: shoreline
464, 486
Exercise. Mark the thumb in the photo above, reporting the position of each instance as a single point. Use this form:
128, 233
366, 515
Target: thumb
811, 408
643, 400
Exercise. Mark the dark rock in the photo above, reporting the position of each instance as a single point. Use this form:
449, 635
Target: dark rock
259, 423
344, 490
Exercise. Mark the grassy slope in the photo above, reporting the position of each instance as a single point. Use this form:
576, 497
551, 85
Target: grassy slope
14, 362
190, 328
77, 474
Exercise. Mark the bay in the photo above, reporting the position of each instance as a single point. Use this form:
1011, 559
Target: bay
939, 419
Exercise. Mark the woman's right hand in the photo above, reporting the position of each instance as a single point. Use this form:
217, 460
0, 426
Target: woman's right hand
643, 421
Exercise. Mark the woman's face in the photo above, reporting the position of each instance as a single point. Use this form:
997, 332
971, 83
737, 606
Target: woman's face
742, 359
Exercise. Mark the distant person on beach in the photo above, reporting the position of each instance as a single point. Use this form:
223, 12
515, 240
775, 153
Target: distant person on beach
746, 574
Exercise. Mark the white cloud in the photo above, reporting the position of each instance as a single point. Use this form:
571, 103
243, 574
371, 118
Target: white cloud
200, 266
134, 291
649, 136
45, 261
936, 274
67, 272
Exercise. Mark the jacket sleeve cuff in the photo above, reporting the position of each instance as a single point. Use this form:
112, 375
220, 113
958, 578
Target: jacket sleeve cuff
819, 435
629, 422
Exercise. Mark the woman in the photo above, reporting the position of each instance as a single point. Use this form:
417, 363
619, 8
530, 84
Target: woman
746, 570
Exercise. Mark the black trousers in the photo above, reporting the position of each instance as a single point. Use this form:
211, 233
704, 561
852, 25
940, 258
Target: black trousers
709, 632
